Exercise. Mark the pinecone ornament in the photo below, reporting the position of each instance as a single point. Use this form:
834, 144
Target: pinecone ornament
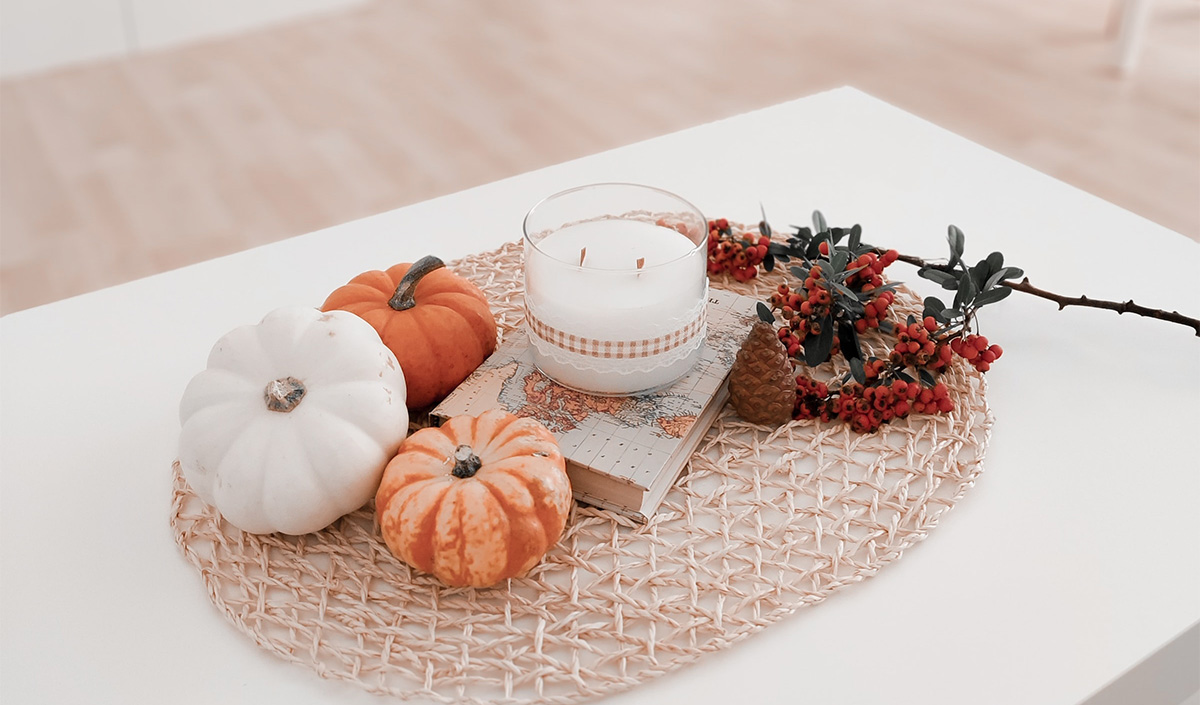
762, 385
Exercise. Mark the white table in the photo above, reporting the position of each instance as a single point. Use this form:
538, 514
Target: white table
1075, 557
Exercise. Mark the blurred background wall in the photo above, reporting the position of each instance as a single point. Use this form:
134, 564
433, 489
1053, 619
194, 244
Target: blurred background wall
141, 135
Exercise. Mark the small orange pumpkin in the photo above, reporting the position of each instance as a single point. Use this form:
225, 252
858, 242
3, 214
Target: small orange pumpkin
476, 501
436, 323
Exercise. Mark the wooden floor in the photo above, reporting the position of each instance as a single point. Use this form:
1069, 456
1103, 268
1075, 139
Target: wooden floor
116, 170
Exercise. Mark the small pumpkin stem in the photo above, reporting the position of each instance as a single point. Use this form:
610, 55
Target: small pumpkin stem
403, 299
466, 463
284, 394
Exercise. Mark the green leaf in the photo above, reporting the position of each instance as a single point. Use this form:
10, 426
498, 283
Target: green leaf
763, 226
979, 274
886, 327
957, 244
966, 290
857, 371
799, 272
934, 307
992, 280
817, 351
839, 259
836, 234
764, 313
926, 377
995, 263
947, 281
855, 236
992, 296
819, 225
848, 341
1013, 272
769, 262
950, 314
850, 304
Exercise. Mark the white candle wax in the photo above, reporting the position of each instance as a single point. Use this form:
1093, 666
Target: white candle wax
607, 298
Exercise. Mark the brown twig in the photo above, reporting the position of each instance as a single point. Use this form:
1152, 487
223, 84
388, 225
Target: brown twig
1064, 301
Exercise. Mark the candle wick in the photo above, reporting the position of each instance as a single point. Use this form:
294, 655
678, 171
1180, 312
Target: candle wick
582, 254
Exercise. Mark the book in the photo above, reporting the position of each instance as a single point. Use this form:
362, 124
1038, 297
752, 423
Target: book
623, 453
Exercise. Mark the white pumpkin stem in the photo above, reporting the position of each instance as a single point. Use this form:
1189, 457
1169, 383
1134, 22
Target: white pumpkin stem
284, 394
403, 299
466, 463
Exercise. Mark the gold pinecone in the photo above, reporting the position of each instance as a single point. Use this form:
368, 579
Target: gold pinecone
762, 385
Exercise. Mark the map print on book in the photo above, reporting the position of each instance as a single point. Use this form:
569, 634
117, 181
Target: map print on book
623, 452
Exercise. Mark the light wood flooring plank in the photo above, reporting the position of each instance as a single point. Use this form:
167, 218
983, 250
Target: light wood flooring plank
123, 168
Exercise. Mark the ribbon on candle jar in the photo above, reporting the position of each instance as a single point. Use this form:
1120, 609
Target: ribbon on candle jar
617, 349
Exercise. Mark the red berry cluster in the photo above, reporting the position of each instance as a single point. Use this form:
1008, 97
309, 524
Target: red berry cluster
870, 268
915, 347
975, 350
874, 311
740, 256
812, 399
867, 408
804, 308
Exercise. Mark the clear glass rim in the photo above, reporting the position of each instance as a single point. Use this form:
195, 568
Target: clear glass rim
605, 184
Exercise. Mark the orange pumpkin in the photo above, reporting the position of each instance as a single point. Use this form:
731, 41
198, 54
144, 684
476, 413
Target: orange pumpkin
437, 324
477, 501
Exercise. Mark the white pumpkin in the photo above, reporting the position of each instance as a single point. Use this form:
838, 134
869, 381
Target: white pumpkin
292, 423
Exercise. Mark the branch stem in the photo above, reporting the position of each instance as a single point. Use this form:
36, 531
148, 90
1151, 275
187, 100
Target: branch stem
1064, 301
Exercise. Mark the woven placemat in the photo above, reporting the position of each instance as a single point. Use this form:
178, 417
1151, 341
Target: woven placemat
765, 522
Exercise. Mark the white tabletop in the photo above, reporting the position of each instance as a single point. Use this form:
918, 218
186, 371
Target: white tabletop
1076, 556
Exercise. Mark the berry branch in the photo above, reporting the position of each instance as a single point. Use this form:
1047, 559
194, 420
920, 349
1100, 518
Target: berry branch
1064, 301
839, 294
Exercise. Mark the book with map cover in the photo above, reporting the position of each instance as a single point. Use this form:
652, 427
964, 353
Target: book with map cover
623, 453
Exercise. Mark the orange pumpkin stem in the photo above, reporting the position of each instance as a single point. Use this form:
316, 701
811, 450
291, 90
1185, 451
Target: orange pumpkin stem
404, 299
466, 463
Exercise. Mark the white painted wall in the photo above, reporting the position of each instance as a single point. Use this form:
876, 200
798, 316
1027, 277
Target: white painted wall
36, 35
162, 23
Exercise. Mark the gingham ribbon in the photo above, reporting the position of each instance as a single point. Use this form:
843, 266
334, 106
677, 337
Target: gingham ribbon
616, 349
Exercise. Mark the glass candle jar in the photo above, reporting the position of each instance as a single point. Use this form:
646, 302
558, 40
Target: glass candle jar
615, 287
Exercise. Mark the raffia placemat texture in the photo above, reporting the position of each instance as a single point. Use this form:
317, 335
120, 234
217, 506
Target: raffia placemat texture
764, 522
